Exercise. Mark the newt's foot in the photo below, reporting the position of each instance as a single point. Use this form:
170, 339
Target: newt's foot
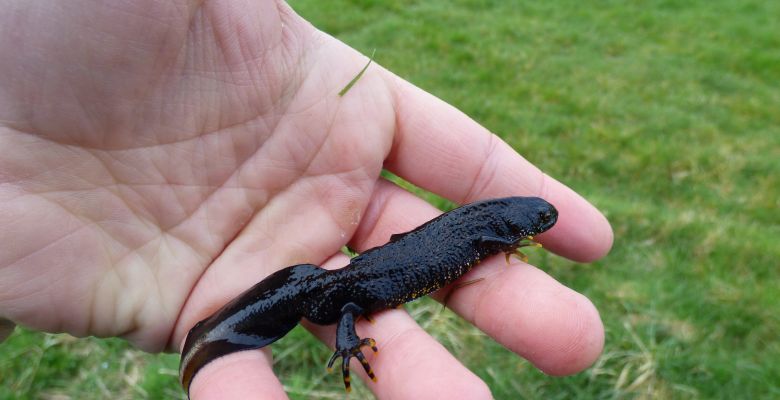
519, 254
347, 353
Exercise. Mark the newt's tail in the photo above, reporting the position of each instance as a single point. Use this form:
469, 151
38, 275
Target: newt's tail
254, 319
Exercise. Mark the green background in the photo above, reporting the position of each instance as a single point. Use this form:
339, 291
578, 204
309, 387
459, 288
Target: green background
665, 114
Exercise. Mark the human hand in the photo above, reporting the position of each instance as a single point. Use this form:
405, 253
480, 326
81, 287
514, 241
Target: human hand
158, 158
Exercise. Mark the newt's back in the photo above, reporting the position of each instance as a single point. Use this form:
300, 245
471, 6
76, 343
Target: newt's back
433, 255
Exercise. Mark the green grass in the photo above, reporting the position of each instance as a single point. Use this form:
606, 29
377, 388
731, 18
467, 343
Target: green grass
663, 113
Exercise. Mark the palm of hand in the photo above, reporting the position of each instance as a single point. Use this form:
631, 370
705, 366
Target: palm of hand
165, 158
175, 158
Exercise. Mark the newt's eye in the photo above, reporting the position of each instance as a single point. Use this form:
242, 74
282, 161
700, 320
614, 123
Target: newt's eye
547, 216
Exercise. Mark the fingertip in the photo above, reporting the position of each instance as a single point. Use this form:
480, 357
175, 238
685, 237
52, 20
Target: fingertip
241, 375
582, 233
557, 329
582, 344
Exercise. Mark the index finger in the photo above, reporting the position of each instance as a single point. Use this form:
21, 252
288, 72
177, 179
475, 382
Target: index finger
440, 149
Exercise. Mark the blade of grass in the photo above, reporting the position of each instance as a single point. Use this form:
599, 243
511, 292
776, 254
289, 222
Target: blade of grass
355, 79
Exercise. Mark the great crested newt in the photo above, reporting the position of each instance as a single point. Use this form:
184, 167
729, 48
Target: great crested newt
409, 266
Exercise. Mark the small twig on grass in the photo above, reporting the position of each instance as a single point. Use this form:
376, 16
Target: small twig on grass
355, 79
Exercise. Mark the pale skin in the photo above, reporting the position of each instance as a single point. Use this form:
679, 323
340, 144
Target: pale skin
157, 158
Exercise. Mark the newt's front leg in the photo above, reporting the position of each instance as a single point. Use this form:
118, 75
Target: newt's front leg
348, 343
514, 246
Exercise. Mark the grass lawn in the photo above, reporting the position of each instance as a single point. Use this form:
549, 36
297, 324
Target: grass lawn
665, 114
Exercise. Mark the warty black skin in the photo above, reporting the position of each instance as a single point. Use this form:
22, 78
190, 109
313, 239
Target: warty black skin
410, 265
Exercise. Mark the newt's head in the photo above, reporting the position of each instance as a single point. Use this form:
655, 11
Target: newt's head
529, 216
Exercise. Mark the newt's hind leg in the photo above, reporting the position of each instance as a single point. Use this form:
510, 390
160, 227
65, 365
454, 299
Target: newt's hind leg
348, 344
